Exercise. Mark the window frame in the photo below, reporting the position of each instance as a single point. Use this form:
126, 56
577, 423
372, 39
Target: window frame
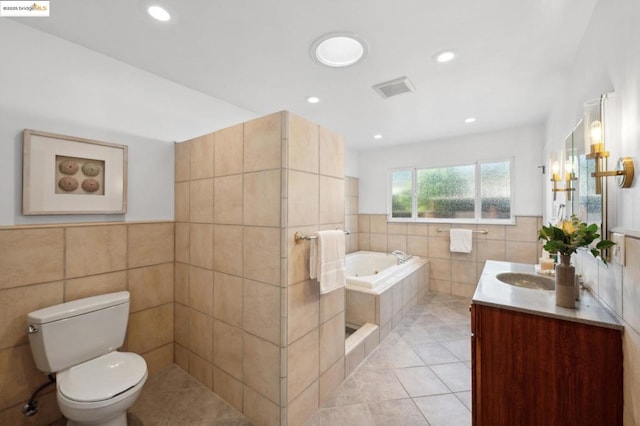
477, 200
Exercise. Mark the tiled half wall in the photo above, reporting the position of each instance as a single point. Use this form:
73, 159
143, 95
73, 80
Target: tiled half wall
249, 322
47, 265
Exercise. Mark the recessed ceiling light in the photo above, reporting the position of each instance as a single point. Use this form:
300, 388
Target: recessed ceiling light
159, 13
445, 56
338, 49
377, 136
470, 120
313, 100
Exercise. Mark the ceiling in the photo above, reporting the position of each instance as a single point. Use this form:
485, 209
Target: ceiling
512, 57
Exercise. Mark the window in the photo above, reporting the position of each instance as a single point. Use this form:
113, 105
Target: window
446, 192
402, 193
469, 193
495, 190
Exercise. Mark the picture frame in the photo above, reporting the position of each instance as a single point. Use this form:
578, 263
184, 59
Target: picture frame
69, 175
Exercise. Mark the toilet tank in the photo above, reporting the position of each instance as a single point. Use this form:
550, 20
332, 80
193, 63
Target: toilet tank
70, 333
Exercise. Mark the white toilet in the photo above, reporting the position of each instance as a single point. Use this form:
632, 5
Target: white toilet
78, 340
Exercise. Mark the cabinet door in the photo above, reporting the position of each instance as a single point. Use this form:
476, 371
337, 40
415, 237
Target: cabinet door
533, 370
475, 355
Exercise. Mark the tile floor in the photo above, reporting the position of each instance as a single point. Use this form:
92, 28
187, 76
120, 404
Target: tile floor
420, 374
172, 397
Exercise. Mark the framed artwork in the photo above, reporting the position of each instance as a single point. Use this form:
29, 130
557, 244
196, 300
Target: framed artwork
69, 175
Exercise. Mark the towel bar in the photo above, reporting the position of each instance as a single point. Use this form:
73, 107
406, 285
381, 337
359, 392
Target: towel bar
481, 231
300, 237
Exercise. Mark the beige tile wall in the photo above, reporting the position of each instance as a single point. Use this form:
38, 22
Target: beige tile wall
618, 287
351, 201
227, 274
316, 198
249, 323
452, 273
47, 265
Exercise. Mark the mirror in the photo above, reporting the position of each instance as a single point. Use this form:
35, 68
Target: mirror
589, 204
585, 203
571, 163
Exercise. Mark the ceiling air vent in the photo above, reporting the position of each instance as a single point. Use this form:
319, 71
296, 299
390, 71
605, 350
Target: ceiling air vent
394, 87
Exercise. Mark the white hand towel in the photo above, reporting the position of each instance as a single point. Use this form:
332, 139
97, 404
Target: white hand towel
326, 262
460, 240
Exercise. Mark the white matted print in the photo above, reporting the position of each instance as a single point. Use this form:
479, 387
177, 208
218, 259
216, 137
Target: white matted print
69, 175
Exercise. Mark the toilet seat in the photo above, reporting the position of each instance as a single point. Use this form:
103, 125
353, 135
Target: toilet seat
102, 378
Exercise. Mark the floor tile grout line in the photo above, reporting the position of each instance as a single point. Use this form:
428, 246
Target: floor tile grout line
465, 405
400, 353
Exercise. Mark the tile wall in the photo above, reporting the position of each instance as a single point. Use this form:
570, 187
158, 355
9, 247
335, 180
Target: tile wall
46, 265
351, 200
249, 322
618, 287
452, 273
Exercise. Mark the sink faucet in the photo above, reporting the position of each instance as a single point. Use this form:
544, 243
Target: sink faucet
402, 256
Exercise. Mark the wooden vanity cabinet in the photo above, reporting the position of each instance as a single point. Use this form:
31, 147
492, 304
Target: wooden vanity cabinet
534, 370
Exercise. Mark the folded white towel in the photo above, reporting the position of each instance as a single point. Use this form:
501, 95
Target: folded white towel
460, 240
326, 262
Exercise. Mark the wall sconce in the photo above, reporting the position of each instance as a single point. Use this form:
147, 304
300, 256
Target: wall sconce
595, 131
557, 176
569, 176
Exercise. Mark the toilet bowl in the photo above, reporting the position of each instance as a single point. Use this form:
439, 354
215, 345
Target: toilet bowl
78, 340
98, 392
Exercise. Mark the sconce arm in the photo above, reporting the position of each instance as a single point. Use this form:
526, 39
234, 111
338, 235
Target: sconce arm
624, 169
609, 173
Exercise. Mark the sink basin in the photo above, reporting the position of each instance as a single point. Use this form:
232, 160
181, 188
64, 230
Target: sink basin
519, 279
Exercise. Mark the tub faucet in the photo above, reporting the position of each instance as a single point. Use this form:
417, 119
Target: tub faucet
402, 256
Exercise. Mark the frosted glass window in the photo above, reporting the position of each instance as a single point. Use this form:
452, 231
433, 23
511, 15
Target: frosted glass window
479, 192
495, 190
447, 192
401, 193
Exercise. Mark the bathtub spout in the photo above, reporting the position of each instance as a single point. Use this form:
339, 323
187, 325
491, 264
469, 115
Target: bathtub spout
402, 256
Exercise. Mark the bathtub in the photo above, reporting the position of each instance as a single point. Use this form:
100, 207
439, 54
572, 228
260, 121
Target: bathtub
379, 294
375, 272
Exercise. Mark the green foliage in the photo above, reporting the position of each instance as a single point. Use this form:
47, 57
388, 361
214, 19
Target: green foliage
572, 234
401, 204
451, 192
444, 182
446, 192
401, 198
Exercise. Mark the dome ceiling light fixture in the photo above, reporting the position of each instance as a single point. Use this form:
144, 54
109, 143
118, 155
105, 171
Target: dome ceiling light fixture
313, 99
470, 120
337, 50
159, 13
445, 56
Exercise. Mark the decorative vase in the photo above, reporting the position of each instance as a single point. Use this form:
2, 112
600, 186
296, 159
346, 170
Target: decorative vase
565, 282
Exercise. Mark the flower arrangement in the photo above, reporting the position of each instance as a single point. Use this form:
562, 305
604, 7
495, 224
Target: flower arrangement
571, 234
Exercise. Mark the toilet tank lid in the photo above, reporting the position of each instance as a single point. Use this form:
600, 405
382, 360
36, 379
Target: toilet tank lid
77, 307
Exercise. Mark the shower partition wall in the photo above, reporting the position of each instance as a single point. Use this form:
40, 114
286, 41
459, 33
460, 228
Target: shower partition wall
249, 322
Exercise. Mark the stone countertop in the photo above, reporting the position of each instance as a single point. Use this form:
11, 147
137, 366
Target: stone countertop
492, 292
